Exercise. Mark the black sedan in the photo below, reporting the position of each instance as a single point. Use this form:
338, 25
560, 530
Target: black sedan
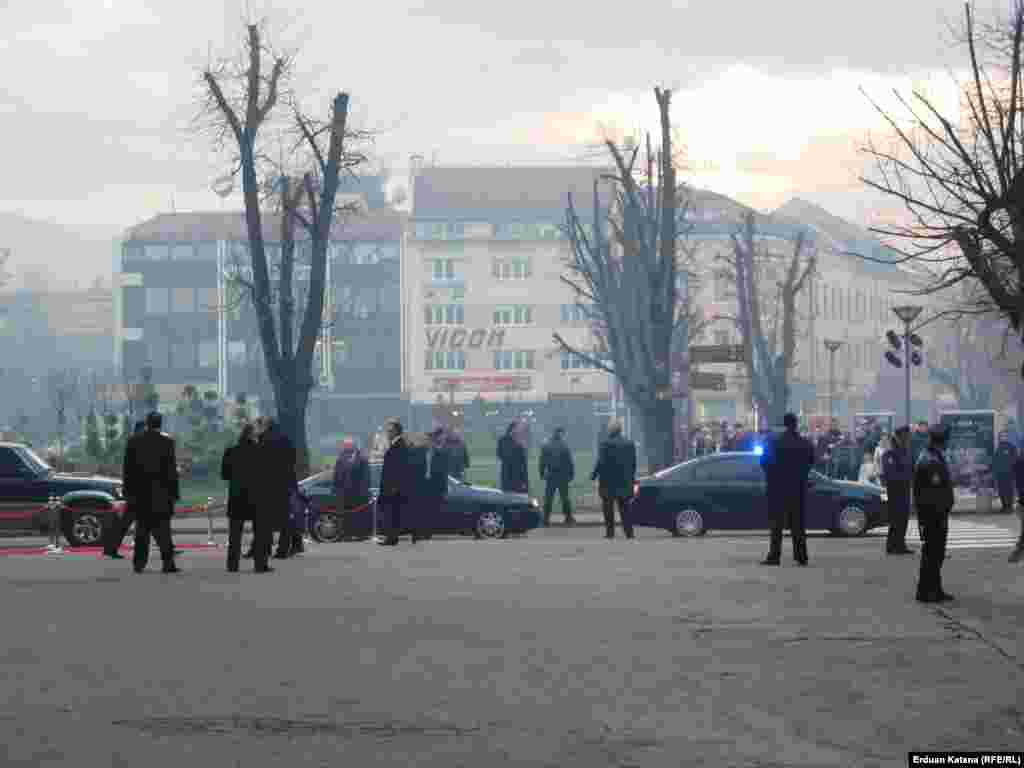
726, 492
484, 512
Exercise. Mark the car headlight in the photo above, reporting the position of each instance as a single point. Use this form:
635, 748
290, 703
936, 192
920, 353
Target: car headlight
118, 492
534, 503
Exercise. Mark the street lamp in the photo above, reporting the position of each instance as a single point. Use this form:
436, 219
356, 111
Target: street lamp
907, 313
832, 346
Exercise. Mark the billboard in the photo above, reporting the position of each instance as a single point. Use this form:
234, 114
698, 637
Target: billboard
971, 447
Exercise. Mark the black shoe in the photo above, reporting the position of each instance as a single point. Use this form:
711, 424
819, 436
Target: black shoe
172, 568
801, 561
137, 569
114, 555
902, 551
945, 597
772, 561
388, 543
264, 569
570, 520
280, 555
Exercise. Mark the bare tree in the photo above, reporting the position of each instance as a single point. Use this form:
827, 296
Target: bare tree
630, 281
62, 388
241, 99
963, 184
766, 313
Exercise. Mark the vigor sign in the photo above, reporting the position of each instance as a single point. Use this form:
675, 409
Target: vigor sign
457, 338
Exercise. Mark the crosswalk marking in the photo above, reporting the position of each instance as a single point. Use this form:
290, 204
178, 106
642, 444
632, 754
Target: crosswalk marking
967, 534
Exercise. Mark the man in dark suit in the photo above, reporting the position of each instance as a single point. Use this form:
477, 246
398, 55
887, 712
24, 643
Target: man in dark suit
557, 470
277, 462
615, 472
933, 500
151, 486
395, 484
898, 474
113, 534
787, 462
434, 486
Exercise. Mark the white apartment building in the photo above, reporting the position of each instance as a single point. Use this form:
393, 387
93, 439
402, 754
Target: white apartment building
482, 267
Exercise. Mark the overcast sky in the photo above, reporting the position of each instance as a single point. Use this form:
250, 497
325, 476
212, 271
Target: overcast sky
97, 95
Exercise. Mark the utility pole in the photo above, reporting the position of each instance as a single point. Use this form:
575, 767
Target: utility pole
832, 346
907, 314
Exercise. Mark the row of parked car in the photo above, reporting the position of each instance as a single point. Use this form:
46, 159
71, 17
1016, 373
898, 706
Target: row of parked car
722, 491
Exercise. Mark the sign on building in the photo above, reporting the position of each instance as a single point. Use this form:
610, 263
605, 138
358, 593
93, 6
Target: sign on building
458, 338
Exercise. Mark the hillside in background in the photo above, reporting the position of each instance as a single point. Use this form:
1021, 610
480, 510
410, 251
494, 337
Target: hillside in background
45, 254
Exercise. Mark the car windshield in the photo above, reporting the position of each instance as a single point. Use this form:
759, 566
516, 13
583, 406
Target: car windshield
33, 461
674, 468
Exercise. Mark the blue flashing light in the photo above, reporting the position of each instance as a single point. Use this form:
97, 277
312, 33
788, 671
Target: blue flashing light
758, 450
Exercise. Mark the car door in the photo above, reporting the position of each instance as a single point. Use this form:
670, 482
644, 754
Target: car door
821, 503
730, 490
21, 494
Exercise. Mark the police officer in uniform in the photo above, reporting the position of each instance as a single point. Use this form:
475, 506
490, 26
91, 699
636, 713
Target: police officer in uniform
898, 474
933, 498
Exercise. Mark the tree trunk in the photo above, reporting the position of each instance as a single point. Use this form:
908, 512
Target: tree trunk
658, 437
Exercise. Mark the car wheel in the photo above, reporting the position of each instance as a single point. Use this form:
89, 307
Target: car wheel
84, 527
688, 522
853, 520
326, 528
491, 525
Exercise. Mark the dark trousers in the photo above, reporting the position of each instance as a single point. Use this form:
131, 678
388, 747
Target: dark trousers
934, 530
261, 543
390, 514
1005, 485
114, 533
562, 487
899, 514
608, 508
783, 509
160, 530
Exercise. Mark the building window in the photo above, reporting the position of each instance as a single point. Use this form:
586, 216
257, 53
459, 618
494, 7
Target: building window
445, 360
439, 230
443, 269
513, 360
236, 352
184, 300
208, 301
156, 251
183, 252
183, 354
517, 268
520, 314
157, 301
445, 314
208, 357
577, 313
574, 362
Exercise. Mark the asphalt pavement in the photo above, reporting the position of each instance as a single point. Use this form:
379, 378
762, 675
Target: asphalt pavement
556, 649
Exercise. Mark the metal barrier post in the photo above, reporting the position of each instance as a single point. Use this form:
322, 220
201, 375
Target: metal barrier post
53, 507
209, 522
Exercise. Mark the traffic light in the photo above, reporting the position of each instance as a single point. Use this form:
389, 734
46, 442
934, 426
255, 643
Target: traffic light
915, 358
893, 358
915, 340
894, 340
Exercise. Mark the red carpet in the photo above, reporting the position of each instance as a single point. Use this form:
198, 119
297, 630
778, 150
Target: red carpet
98, 551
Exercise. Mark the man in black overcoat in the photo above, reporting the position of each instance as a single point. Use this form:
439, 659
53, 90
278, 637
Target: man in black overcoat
515, 476
787, 462
1002, 468
434, 486
278, 479
240, 467
113, 534
396, 486
151, 485
615, 472
898, 474
933, 500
